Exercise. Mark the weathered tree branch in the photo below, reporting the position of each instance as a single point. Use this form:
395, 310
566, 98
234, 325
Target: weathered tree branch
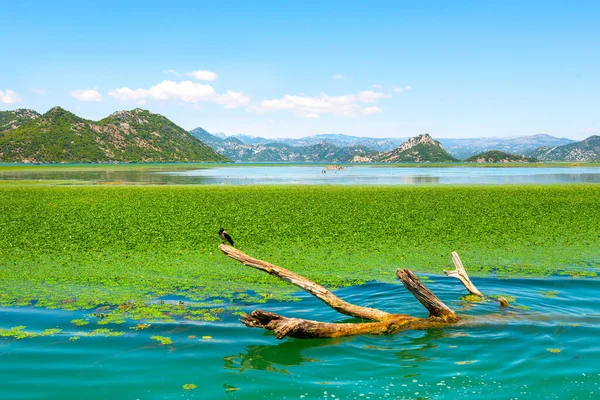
313, 288
461, 274
437, 309
385, 323
307, 329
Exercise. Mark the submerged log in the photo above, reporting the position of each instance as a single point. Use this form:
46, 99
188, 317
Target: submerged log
384, 323
308, 329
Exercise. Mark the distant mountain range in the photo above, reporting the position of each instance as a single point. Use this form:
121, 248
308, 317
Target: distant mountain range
587, 150
141, 136
124, 136
458, 148
345, 148
260, 149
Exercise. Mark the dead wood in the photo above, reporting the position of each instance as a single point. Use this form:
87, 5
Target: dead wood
311, 287
461, 274
437, 309
384, 323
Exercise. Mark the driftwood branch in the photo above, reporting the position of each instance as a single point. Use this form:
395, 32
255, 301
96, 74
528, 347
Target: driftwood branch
437, 309
461, 274
311, 287
384, 323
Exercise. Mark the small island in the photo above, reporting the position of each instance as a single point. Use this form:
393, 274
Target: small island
495, 156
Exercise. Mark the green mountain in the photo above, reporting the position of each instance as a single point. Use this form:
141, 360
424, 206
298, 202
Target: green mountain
125, 136
10, 120
496, 156
421, 148
587, 150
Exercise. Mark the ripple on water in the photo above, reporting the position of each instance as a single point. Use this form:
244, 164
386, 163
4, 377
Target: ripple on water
547, 351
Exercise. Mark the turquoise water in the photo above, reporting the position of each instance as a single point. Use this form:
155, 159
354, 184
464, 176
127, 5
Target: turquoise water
499, 354
294, 174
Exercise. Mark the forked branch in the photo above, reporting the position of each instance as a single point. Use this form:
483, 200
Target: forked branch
384, 323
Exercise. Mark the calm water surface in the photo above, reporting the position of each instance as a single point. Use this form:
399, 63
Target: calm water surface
503, 355
248, 174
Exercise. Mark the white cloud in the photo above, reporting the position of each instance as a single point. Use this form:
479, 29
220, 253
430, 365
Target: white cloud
90, 95
313, 107
202, 75
233, 99
371, 110
9, 97
185, 91
338, 77
126, 94
39, 91
369, 96
402, 89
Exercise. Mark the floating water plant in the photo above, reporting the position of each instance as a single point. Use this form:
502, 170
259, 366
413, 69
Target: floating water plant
162, 339
82, 248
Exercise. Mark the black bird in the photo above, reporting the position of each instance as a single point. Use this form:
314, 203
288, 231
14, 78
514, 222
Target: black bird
225, 236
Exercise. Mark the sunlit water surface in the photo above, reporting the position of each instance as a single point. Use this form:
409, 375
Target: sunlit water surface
294, 174
503, 354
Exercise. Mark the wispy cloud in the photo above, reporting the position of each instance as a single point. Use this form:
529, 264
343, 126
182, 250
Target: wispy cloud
185, 91
87, 95
39, 91
369, 96
9, 97
203, 75
370, 110
315, 106
402, 89
590, 130
171, 72
337, 77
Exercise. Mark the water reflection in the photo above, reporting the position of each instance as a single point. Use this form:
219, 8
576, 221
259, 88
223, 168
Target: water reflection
273, 357
245, 174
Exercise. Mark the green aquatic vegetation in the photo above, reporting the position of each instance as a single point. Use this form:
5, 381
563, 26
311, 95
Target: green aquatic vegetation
162, 339
79, 322
74, 338
18, 332
140, 327
190, 386
103, 332
550, 293
472, 298
123, 247
555, 351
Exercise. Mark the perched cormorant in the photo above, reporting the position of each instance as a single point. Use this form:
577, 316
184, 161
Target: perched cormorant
225, 236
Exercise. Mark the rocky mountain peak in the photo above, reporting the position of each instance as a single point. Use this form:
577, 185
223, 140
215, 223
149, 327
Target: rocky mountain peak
423, 138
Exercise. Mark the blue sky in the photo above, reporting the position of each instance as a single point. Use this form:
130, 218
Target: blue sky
291, 69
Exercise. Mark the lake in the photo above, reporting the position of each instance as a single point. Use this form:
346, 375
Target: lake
542, 347
545, 349
303, 174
